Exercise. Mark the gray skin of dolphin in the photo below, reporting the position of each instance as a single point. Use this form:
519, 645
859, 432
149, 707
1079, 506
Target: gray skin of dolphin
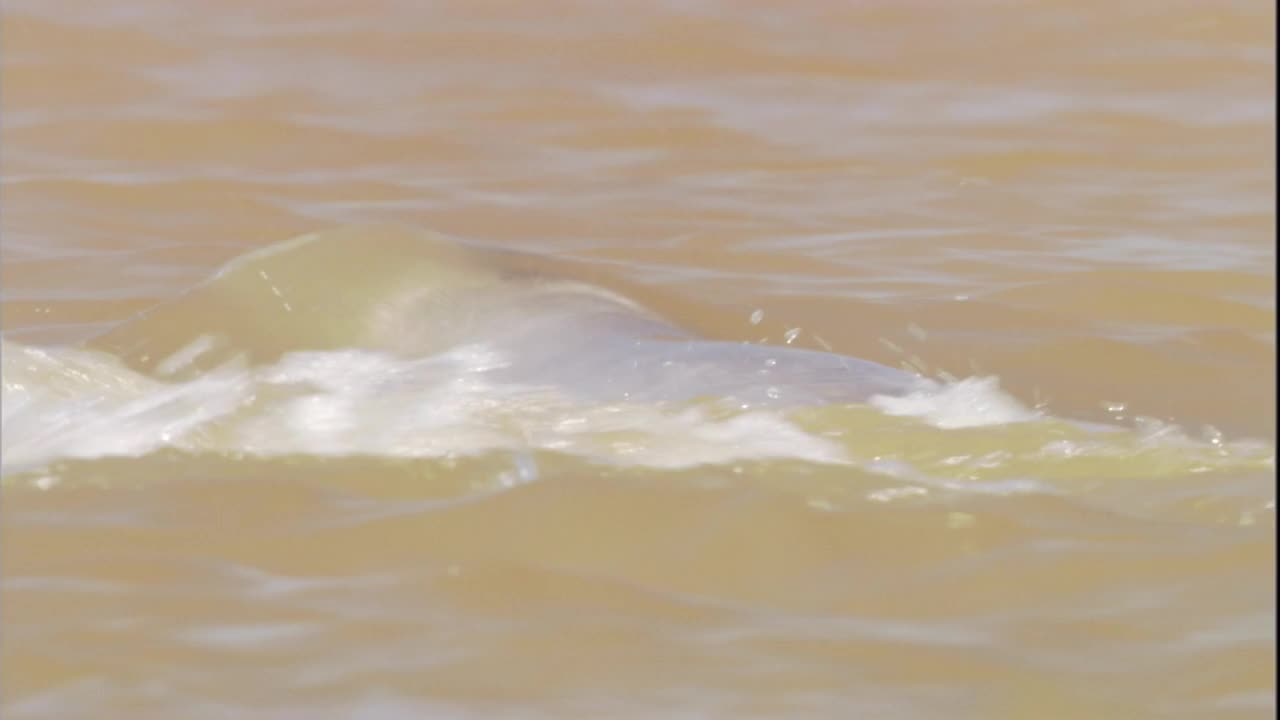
600, 347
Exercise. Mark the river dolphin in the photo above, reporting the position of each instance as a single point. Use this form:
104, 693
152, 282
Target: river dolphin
412, 293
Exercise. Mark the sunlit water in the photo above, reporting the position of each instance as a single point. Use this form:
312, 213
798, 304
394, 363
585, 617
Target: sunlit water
859, 360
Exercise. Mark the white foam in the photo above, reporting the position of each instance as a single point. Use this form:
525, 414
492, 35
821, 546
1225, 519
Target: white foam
68, 403
972, 402
63, 403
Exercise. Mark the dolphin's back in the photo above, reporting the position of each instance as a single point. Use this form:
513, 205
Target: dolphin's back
416, 295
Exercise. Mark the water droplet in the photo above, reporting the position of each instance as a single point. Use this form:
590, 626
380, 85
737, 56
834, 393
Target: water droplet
526, 467
757, 316
771, 362
891, 345
896, 493
821, 504
791, 335
773, 393
1212, 434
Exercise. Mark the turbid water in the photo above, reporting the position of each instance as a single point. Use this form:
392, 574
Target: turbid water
637, 360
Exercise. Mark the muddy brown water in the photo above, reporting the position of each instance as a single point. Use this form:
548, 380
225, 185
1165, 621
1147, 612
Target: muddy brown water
1072, 201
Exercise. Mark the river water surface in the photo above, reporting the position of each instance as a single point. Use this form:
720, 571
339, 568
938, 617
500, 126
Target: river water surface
319, 497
